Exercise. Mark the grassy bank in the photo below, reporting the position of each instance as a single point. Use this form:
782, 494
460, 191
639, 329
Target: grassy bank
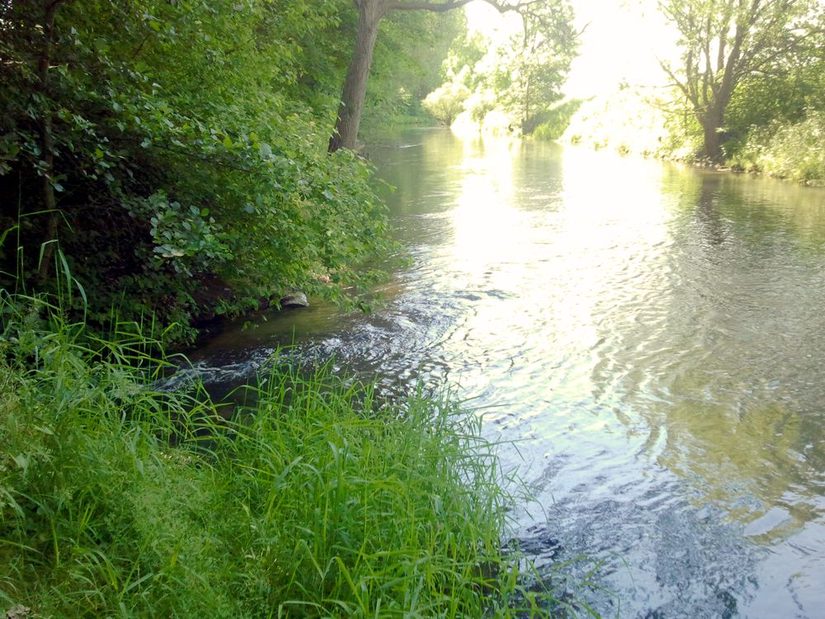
633, 121
786, 150
117, 499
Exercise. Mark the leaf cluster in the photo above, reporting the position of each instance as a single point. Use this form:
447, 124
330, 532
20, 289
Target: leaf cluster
188, 152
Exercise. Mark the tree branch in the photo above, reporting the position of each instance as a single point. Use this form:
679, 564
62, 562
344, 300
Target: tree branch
442, 7
682, 86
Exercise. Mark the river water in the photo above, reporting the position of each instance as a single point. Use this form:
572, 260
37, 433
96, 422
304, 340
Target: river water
650, 338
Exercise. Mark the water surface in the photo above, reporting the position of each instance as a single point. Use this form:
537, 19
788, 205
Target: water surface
650, 337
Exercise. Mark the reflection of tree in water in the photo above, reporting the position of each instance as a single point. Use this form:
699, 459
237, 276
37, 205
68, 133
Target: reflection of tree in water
421, 165
707, 214
745, 461
720, 363
756, 209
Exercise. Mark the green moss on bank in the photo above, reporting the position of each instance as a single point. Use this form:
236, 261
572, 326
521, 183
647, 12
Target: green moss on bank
117, 499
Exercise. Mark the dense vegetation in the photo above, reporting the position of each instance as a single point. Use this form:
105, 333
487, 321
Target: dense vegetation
161, 162
751, 75
313, 500
165, 161
747, 91
173, 154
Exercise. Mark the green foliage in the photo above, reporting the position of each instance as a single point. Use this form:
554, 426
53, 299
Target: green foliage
447, 101
528, 82
186, 151
117, 498
520, 77
777, 97
787, 150
727, 44
181, 235
782, 95
555, 121
463, 57
406, 64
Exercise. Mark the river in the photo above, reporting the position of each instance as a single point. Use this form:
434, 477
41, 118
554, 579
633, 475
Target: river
649, 342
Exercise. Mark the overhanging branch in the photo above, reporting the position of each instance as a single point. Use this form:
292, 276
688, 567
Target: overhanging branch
441, 7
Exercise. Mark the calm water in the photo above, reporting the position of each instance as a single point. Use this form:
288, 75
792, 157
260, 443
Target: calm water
651, 337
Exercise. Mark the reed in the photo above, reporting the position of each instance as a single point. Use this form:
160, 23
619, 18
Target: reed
312, 500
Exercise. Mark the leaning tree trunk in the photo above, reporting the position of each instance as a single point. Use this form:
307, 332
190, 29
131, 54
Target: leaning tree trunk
355, 86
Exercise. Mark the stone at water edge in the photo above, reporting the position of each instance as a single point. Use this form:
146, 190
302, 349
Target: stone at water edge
296, 299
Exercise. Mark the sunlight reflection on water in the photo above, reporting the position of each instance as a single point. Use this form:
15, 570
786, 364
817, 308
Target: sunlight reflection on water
651, 337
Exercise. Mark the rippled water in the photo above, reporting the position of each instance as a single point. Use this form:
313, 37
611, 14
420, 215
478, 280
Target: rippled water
650, 337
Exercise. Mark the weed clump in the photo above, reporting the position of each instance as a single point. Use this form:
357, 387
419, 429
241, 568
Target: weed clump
119, 499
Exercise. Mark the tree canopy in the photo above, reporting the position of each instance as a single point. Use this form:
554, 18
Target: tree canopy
725, 43
171, 155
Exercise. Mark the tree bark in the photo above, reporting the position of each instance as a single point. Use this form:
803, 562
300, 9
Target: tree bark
712, 141
355, 85
47, 143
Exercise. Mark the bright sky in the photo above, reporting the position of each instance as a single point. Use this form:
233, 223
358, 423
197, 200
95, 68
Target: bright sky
621, 42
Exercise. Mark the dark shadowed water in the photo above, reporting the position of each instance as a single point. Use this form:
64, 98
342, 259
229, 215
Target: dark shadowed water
653, 339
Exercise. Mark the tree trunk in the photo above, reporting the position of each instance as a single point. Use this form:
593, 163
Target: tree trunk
47, 144
713, 145
711, 123
355, 85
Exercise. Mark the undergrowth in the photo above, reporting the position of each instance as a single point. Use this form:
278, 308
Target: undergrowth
120, 499
787, 150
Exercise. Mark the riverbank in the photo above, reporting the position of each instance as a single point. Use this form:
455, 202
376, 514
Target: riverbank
118, 498
633, 121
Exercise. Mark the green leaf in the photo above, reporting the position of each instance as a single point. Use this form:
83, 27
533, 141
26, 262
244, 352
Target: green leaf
22, 461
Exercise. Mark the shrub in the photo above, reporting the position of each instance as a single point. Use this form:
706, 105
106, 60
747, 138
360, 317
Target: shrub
792, 151
447, 101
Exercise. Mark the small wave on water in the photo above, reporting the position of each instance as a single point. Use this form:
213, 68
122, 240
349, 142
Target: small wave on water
645, 342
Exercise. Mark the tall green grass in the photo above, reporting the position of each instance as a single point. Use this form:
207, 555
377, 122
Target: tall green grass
787, 150
118, 499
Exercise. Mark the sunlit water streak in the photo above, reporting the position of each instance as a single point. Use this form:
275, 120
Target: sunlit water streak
652, 340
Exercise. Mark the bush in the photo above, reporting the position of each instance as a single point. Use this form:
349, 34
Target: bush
555, 122
188, 170
792, 151
447, 101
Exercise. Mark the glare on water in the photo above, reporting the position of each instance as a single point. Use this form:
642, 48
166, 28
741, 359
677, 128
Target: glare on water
649, 337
